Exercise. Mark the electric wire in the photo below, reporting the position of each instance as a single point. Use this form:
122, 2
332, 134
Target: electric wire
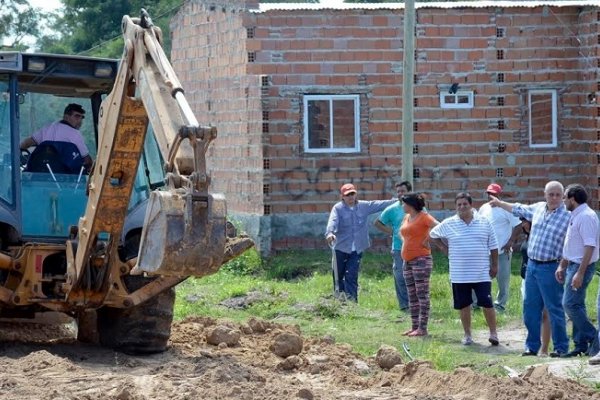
103, 43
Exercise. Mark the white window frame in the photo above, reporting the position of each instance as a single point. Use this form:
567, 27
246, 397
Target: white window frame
456, 104
554, 117
331, 98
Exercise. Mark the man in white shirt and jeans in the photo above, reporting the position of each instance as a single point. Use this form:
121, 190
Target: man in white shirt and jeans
507, 228
577, 267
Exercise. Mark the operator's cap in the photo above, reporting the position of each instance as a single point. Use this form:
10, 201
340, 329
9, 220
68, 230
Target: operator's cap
494, 188
347, 189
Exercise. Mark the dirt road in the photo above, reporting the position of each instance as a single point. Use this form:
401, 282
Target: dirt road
42, 363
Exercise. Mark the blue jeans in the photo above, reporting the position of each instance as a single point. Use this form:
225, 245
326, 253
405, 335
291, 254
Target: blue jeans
595, 347
348, 265
584, 332
543, 290
399, 282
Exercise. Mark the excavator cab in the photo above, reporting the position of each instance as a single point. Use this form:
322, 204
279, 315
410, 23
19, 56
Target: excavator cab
41, 194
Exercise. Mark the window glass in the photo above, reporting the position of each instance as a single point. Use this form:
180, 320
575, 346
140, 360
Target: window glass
542, 118
39, 110
319, 126
461, 99
343, 124
6, 181
331, 123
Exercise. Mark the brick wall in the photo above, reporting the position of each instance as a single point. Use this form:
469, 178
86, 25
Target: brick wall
210, 55
329, 52
587, 134
498, 53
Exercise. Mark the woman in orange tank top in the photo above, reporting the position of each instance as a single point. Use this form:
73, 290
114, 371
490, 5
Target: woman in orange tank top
418, 263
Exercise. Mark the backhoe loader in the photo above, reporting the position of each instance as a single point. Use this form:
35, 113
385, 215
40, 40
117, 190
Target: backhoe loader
107, 248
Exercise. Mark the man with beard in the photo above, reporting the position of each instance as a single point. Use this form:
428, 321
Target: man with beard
577, 266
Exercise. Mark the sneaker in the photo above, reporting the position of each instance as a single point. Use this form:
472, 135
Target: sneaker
499, 308
595, 360
467, 341
574, 353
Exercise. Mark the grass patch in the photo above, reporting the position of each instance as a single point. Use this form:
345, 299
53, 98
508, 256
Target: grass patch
296, 287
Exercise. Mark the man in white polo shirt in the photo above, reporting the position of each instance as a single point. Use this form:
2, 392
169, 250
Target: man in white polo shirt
577, 266
469, 239
507, 228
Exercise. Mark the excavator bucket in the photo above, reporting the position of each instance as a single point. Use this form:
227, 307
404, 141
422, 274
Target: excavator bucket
183, 234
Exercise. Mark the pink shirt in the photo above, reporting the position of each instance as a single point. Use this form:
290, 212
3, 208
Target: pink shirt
61, 132
582, 231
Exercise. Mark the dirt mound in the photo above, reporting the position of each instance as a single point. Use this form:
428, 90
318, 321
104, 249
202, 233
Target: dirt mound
246, 367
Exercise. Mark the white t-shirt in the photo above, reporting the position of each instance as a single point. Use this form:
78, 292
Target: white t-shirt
502, 221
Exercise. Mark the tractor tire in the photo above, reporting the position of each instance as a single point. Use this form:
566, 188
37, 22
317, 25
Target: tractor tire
142, 329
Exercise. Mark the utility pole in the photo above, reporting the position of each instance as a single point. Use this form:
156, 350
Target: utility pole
408, 72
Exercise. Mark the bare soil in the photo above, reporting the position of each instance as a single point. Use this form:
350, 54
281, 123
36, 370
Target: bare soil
45, 362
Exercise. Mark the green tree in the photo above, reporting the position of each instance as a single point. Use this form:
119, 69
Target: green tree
17, 21
93, 27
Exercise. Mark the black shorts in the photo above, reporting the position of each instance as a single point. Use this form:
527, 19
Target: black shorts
462, 294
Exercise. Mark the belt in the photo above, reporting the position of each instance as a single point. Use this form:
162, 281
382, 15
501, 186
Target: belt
544, 262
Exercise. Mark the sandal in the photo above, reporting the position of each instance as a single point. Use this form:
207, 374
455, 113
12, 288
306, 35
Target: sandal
494, 340
418, 332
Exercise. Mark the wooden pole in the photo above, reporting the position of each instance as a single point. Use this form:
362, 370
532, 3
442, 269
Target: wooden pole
407, 91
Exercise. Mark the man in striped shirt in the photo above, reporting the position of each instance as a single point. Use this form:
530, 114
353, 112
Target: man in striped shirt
549, 222
469, 240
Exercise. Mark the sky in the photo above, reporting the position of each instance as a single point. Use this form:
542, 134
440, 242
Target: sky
47, 5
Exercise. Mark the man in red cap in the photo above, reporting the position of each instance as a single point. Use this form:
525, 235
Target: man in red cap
348, 233
507, 229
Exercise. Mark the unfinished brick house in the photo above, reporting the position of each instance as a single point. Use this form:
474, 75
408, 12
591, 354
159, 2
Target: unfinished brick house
307, 97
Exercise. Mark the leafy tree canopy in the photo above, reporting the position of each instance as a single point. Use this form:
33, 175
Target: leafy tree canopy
17, 21
93, 27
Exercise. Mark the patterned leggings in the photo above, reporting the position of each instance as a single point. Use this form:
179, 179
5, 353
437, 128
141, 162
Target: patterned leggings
417, 273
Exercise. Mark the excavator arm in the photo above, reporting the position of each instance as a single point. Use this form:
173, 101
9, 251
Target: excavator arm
185, 227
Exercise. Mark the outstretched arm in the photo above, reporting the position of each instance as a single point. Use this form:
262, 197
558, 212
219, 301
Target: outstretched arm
496, 202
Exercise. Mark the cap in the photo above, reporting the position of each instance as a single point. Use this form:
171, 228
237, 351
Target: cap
494, 188
347, 188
